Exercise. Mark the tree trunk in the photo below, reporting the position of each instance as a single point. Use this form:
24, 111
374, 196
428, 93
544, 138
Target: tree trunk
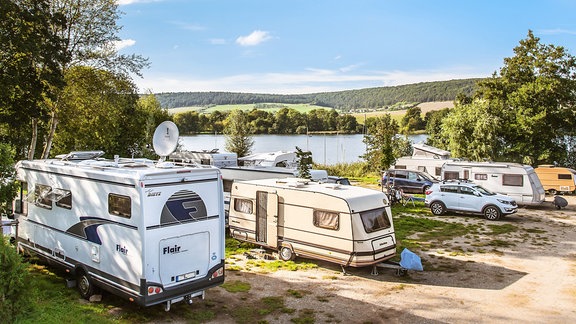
50, 137
32, 148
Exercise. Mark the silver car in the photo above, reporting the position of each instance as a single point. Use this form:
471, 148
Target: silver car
467, 197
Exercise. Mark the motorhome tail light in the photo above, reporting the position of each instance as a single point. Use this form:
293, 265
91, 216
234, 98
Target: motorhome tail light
153, 290
218, 273
428, 191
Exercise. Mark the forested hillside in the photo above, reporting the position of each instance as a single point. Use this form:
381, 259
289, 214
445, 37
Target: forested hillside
370, 98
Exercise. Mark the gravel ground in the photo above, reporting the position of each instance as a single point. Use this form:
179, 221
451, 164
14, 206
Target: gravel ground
532, 279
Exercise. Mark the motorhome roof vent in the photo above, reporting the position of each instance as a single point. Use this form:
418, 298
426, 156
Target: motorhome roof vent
81, 155
334, 186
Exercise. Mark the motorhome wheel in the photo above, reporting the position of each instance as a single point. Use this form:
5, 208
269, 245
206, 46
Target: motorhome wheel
492, 213
437, 208
85, 285
286, 254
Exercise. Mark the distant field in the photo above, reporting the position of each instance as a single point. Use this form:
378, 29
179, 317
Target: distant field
398, 114
303, 108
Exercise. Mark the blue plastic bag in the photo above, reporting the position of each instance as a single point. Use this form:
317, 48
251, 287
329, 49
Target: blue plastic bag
410, 261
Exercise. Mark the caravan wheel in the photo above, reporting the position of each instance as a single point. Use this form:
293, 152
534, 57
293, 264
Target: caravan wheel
85, 285
286, 254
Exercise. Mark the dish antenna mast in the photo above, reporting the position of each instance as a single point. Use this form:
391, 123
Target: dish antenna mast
165, 139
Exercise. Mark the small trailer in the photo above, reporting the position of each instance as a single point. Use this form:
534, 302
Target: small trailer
556, 179
149, 231
347, 225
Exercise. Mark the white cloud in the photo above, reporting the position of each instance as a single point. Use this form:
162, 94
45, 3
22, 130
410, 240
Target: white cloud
129, 2
255, 38
121, 44
556, 31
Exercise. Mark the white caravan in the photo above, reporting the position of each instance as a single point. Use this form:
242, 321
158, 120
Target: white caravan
151, 232
515, 180
286, 159
424, 158
347, 225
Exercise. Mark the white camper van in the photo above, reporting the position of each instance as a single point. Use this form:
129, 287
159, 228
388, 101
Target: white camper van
515, 180
151, 232
348, 225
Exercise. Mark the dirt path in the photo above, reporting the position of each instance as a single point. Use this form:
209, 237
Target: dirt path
530, 278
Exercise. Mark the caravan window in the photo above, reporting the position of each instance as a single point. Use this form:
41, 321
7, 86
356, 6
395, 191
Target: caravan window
451, 175
375, 220
243, 205
480, 176
119, 205
325, 219
516, 180
565, 176
42, 196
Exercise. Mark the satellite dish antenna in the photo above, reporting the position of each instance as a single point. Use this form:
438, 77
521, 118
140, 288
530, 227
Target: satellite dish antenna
165, 139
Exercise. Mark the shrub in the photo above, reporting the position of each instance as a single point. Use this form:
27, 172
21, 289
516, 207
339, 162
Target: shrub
15, 289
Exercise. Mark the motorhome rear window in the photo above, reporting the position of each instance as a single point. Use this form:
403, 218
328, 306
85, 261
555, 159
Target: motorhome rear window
119, 205
375, 220
42, 196
243, 206
480, 176
565, 176
326, 219
516, 180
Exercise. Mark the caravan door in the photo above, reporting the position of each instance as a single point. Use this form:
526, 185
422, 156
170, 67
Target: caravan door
267, 218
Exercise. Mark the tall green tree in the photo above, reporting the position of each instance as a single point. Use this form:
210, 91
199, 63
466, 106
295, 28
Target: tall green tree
238, 133
304, 163
30, 57
90, 33
433, 120
380, 141
412, 120
533, 95
7, 177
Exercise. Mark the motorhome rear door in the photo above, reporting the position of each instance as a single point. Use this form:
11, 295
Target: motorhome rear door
267, 218
184, 258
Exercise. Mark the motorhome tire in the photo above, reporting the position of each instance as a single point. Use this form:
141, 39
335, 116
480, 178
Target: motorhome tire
85, 285
437, 208
492, 213
286, 254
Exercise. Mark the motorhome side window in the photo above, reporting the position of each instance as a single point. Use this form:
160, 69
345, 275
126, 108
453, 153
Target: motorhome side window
516, 180
375, 220
326, 219
450, 175
64, 198
42, 196
119, 205
243, 205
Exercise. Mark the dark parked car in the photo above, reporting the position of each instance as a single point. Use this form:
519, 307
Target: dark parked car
408, 180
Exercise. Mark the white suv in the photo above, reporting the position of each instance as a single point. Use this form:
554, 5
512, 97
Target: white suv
467, 197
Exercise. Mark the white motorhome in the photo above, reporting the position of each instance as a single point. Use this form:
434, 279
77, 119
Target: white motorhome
151, 232
515, 180
286, 159
347, 225
425, 158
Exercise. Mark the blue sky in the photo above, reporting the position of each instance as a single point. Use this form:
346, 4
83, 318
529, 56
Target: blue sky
306, 46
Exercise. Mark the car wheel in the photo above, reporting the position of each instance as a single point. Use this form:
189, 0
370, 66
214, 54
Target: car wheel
492, 213
286, 254
437, 208
85, 285
552, 192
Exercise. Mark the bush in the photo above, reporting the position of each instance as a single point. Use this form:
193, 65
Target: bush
15, 289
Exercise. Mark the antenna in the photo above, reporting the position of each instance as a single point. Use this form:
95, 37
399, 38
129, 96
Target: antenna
165, 139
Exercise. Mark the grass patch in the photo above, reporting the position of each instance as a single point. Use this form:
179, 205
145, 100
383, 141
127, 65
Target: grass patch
236, 286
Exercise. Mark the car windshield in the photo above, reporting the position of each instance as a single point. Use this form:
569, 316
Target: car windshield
426, 176
484, 191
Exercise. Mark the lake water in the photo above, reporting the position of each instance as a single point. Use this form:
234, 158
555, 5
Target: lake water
326, 149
